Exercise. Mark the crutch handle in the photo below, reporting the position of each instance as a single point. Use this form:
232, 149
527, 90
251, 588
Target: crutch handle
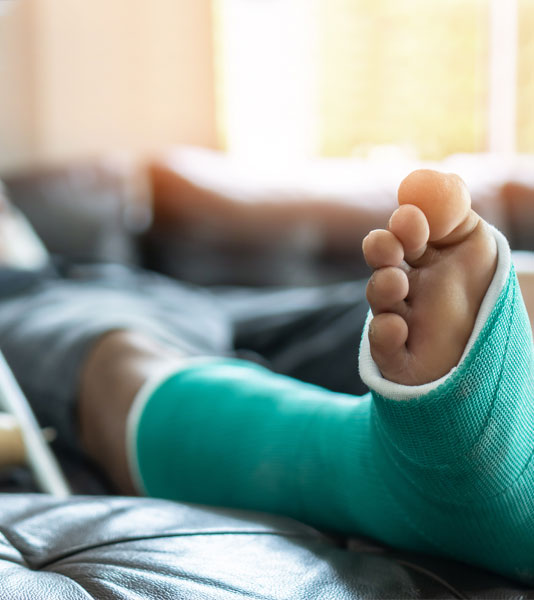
39, 456
12, 451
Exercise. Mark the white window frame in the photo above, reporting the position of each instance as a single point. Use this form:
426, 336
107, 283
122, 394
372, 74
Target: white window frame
502, 100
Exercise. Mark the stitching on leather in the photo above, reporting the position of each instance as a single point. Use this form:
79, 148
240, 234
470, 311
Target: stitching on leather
77, 550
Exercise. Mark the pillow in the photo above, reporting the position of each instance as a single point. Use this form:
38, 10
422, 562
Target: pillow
88, 210
19, 244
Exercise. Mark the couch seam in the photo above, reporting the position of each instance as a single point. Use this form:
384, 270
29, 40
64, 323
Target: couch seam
77, 550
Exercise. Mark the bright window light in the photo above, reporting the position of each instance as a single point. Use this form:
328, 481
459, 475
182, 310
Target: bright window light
298, 78
267, 78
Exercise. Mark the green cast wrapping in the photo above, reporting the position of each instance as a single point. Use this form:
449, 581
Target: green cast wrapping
445, 468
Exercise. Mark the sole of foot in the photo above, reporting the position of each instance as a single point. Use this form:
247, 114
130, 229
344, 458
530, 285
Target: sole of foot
432, 267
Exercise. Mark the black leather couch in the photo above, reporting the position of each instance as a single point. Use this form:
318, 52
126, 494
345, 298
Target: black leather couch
101, 546
133, 548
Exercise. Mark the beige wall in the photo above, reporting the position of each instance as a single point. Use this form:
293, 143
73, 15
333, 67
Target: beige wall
17, 125
107, 75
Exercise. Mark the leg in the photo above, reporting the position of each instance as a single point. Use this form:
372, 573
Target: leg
119, 363
50, 323
442, 465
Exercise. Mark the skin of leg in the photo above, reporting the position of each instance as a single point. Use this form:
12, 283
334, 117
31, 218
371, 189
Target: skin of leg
117, 366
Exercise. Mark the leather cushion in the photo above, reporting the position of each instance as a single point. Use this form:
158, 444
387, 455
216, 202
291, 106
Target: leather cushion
134, 548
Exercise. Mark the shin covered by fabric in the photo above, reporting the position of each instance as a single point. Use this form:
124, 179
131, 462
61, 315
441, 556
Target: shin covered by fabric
444, 468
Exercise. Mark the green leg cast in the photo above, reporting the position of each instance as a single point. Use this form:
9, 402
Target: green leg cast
445, 468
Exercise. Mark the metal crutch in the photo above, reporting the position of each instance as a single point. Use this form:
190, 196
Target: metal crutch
40, 458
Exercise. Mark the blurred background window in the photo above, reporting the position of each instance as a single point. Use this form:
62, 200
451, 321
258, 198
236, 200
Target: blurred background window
274, 79
525, 110
343, 77
410, 73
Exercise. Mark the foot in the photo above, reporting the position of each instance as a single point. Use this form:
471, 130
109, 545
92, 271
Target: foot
432, 268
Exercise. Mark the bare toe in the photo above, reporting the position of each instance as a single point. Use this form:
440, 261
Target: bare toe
388, 333
410, 226
386, 290
381, 248
443, 197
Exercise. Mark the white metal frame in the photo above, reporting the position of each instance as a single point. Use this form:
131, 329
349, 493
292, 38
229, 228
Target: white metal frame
502, 109
41, 460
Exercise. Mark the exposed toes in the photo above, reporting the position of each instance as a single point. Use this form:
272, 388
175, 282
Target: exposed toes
386, 290
436, 253
409, 224
443, 197
381, 248
388, 333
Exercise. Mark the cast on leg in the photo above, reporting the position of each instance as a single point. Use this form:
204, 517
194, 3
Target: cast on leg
436, 459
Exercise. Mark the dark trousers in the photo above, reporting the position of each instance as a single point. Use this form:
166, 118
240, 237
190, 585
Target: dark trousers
50, 319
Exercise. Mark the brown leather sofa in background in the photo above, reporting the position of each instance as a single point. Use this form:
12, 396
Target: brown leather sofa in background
216, 218
204, 217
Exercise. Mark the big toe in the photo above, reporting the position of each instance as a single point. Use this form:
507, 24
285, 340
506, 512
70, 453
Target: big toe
443, 197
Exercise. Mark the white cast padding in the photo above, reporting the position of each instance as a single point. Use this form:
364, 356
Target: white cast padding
136, 410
